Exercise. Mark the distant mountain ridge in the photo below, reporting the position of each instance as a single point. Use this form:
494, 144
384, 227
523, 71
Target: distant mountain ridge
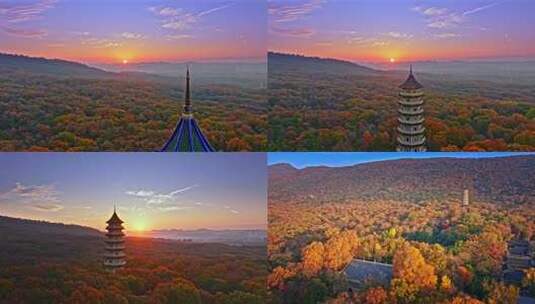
51, 67
282, 63
498, 180
227, 236
247, 74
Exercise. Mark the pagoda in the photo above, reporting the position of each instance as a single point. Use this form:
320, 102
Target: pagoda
114, 258
411, 137
466, 197
187, 136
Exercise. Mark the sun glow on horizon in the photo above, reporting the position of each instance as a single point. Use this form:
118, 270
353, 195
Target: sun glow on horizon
392, 60
125, 61
139, 225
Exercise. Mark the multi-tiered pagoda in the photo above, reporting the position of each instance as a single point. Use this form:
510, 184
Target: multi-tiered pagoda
187, 136
411, 137
114, 258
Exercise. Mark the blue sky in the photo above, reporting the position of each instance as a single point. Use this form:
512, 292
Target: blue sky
310, 159
151, 190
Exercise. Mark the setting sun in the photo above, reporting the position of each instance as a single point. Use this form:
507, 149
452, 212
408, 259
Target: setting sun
125, 61
139, 225
392, 60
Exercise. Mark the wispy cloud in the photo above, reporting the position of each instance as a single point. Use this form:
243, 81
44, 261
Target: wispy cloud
100, 43
39, 192
24, 12
366, 41
398, 35
231, 210
12, 14
133, 36
479, 9
213, 10
446, 35
286, 13
173, 208
443, 18
430, 11
178, 36
160, 200
26, 33
37, 197
47, 207
178, 19
439, 18
296, 32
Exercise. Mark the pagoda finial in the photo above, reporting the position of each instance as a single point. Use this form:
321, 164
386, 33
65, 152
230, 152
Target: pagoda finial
187, 99
114, 209
410, 69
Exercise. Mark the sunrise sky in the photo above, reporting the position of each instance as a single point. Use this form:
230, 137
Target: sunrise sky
403, 30
117, 31
151, 190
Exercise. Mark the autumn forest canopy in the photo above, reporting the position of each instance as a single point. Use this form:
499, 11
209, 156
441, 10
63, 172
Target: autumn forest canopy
409, 214
318, 104
58, 105
41, 262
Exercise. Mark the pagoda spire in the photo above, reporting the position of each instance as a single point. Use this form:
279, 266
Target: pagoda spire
187, 97
187, 136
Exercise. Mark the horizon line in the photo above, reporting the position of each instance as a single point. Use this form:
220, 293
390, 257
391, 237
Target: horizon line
388, 156
519, 58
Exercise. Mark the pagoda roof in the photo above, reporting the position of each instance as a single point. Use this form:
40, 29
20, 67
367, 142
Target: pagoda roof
187, 136
114, 219
411, 83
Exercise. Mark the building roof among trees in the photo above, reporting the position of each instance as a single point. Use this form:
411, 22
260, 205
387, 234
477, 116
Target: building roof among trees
362, 271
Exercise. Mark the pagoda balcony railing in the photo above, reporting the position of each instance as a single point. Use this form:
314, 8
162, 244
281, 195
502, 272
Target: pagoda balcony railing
114, 262
416, 111
112, 255
114, 241
411, 132
415, 93
115, 233
405, 142
411, 102
411, 122
113, 246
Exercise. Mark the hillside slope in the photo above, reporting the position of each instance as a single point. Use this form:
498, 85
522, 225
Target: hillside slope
284, 63
50, 67
499, 180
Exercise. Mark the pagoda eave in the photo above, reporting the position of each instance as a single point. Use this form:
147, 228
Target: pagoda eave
407, 132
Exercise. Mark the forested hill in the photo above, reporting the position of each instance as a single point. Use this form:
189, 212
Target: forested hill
287, 63
50, 67
28, 241
43, 262
11, 225
497, 180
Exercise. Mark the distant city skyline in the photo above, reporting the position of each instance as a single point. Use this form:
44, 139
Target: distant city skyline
135, 31
403, 30
343, 159
151, 190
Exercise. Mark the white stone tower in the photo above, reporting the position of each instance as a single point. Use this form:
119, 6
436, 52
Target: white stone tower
411, 137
